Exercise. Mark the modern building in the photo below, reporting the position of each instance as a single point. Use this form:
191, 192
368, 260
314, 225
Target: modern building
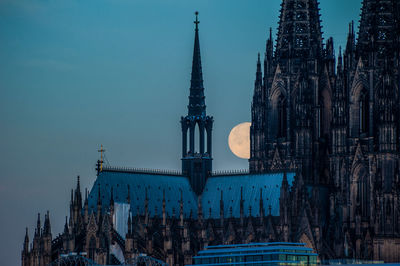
263, 254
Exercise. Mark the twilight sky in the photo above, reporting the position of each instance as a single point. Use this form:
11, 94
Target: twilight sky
77, 74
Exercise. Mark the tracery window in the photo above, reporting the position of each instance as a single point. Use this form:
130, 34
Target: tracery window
382, 35
300, 28
92, 248
364, 110
301, 16
301, 5
281, 117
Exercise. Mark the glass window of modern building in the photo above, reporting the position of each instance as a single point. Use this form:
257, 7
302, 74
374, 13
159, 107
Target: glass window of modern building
274, 253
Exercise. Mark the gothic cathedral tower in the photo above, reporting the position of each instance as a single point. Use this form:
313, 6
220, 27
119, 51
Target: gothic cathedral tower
291, 104
196, 127
337, 125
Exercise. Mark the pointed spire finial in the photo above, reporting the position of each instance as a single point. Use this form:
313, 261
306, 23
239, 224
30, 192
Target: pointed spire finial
66, 230
38, 222
86, 196
197, 20
270, 33
258, 82
196, 99
26, 235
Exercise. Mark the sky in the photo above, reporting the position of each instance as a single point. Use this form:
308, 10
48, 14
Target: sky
77, 74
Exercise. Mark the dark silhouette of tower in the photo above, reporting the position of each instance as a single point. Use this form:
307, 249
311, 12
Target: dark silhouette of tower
328, 132
197, 126
336, 125
290, 110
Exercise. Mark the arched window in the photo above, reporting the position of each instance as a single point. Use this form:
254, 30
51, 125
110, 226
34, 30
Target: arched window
281, 117
92, 248
364, 111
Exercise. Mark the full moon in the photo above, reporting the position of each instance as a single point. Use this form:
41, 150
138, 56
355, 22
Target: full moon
239, 140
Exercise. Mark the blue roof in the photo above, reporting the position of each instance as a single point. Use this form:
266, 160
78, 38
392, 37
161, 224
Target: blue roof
138, 183
251, 185
174, 185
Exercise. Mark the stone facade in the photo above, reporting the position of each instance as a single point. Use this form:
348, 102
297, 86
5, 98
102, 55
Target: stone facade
336, 124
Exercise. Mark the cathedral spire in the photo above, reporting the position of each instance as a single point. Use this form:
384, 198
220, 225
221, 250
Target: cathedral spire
66, 230
196, 99
259, 72
340, 61
196, 148
261, 204
37, 232
299, 32
78, 194
26, 241
47, 226
269, 58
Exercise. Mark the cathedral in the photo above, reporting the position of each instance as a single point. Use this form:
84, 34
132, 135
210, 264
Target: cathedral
323, 167
337, 125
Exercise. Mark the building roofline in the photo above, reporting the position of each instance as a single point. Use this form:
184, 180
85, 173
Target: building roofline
134, 170
218, 173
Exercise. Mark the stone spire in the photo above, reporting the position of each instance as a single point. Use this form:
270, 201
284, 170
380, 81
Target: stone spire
66, 229
257, 128
261, 204
26, 241
259, 91
198, 126
38, 228
196, 99
47, 226
299, 32
78, 194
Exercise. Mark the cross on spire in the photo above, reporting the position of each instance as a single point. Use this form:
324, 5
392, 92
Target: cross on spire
197, 20
99, 165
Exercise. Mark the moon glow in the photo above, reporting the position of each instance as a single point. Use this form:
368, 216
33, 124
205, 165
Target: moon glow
239, 140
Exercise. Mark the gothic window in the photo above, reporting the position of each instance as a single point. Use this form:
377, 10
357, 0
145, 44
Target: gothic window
197, 141
381, 51
288, 29
363, 108
382, 7
300, 28
301, 16
364, 196
281, 117
382, 35
382, 21
301, 5
289, 16
92, 248
301, 41
285, 42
